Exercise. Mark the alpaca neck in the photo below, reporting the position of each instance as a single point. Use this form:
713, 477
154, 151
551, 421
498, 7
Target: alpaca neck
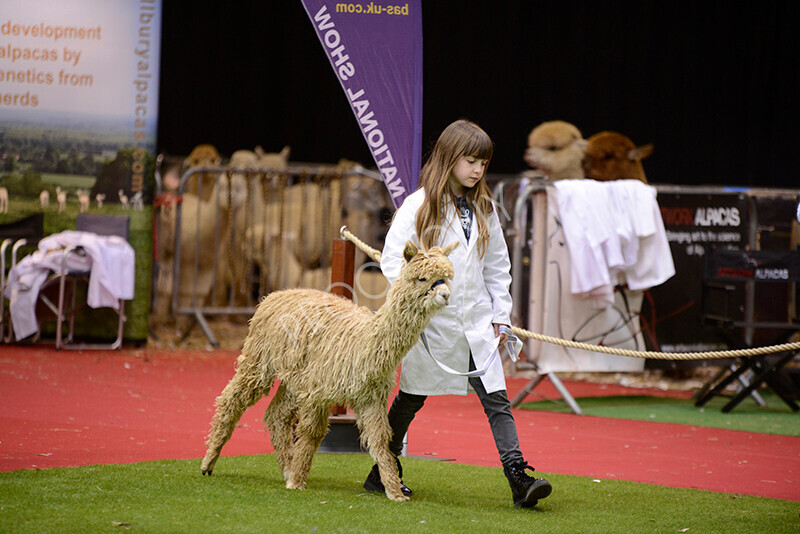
398, 324
572, 172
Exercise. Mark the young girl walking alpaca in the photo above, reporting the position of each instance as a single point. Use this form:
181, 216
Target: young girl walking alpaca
453, 203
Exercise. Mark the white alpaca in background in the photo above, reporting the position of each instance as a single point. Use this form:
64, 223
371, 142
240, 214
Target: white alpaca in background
137, 201
100, 198
44, 198
83, 200
3, 200
61, 199
123, 199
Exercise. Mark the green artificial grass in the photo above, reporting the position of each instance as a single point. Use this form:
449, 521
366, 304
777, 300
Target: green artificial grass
775, 418
247, 494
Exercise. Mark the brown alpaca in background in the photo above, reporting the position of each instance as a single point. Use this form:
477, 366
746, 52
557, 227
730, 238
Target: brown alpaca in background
613, 156
326, 350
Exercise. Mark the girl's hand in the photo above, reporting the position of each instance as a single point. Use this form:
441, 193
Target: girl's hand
503, 337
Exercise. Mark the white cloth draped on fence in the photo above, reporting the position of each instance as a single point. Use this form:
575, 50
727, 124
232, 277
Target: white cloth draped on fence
110, 260
615, 235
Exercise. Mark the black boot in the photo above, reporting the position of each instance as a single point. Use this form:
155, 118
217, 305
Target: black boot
373, 482
526, 490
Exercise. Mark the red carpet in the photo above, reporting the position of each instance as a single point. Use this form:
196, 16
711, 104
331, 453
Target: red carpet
64, 408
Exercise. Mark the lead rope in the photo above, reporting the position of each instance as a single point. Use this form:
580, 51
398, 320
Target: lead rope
512, 347
375, 255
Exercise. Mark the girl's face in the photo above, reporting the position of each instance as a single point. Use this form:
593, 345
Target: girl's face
468, 171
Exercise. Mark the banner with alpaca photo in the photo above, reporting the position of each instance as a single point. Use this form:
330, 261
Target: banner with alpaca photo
375, 49
78, 116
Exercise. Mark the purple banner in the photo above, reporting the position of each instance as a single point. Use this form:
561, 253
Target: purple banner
375, 49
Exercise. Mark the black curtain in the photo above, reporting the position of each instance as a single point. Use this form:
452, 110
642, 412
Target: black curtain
712, 85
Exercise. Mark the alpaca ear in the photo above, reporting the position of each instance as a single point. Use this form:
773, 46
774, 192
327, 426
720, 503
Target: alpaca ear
640, 152
450, 248
410, 251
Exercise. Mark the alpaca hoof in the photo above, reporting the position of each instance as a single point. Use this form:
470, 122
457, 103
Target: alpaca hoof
396, 494
208, 464
294, 486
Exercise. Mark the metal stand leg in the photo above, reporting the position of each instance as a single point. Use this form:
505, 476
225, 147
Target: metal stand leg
526, 390
745, 382
719, 387
560, 387
201, 320
565, 394
742, 379
766, 370
197, 318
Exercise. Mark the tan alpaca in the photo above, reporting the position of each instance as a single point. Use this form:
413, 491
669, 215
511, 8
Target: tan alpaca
325, 350
555, 148
245, 186
203, 155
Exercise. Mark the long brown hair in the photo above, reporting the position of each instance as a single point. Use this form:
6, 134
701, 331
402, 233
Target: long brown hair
461, 138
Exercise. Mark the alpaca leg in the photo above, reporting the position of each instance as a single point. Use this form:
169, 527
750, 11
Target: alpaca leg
280, 418
238, 396
376, 434
312, 424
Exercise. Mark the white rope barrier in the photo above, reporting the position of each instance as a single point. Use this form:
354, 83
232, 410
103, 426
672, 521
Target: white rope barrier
735, 353
375, 255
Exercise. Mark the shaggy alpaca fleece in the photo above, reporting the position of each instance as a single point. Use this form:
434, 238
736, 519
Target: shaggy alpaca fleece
325, 350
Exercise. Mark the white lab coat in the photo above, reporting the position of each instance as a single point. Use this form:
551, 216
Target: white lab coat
479, 297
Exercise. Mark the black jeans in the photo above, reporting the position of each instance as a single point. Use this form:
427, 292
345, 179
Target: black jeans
496, 406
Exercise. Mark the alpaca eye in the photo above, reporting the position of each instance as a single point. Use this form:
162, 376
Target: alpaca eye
423, 279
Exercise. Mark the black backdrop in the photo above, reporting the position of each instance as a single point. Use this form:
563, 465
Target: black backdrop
712, 85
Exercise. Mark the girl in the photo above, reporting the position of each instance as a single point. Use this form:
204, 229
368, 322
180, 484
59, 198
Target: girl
454, 203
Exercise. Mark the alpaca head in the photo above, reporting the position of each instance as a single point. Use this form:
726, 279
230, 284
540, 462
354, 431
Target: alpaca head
614, 156
556, 149
427, 274
272, 160
204, 155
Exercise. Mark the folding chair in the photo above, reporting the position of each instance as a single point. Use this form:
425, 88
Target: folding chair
729, 276
105, 225
16, 234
